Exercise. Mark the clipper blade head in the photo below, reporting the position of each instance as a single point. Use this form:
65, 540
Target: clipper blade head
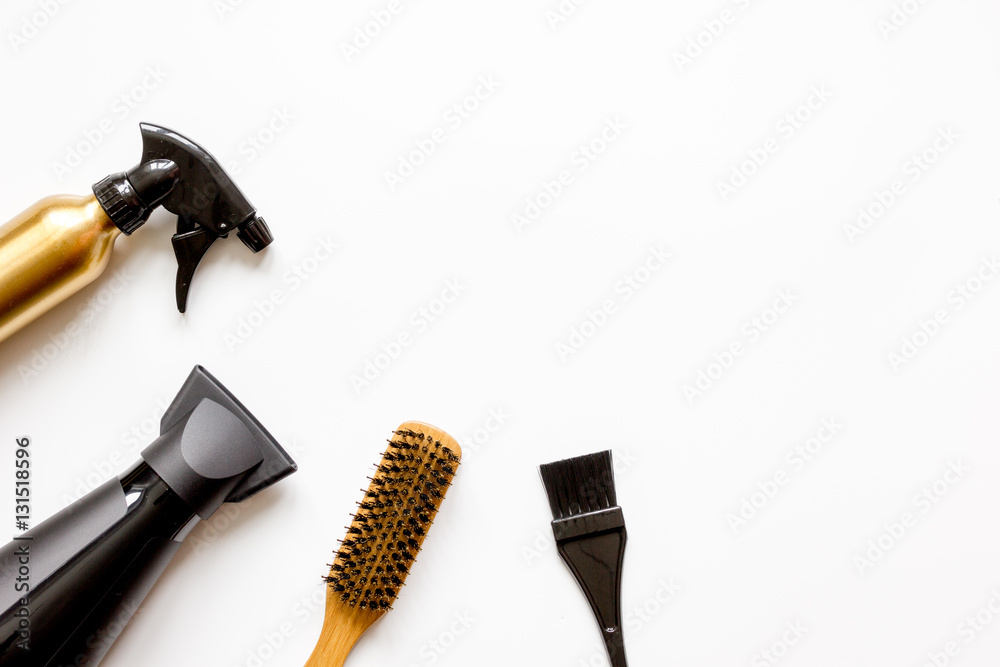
392, 519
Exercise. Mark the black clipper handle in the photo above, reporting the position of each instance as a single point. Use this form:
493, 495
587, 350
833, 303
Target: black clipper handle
89, 568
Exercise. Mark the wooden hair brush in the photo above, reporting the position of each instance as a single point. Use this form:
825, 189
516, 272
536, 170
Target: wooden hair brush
383, 539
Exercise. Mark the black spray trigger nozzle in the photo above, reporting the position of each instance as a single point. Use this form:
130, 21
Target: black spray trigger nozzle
212, 450
184, 178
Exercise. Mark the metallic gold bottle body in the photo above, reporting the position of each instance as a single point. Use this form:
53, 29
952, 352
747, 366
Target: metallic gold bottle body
49, 252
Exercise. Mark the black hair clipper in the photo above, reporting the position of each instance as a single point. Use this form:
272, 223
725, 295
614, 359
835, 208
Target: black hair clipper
69, 585
63, 243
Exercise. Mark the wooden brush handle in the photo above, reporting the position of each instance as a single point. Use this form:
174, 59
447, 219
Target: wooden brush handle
342, 628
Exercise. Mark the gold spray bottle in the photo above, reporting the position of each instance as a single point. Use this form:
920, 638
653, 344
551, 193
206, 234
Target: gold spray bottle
63, 243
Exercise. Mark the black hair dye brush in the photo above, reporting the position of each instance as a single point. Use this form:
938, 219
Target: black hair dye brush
589, 528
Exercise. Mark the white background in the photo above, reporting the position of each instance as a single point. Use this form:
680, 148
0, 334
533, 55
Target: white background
230, 78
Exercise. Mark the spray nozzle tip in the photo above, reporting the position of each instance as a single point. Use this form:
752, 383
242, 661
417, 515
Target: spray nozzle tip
255, 234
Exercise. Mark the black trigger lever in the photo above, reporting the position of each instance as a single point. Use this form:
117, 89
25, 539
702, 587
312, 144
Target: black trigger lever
191, 242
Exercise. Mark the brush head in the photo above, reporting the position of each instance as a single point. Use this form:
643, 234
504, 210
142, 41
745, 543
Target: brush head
392, 519
580, 485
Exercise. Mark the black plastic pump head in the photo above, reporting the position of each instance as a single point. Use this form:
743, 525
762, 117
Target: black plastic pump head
186, 180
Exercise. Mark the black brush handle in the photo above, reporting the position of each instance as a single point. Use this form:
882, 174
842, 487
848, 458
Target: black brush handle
596, 558
614, 641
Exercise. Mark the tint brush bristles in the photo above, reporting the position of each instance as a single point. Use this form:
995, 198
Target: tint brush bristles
385, 535
579, 485
589, 528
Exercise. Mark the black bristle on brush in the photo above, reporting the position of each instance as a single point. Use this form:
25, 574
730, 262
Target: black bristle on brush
589, 528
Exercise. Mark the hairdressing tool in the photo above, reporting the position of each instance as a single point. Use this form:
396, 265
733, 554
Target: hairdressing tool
69, 585
589, 528
63, 243
383, 539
